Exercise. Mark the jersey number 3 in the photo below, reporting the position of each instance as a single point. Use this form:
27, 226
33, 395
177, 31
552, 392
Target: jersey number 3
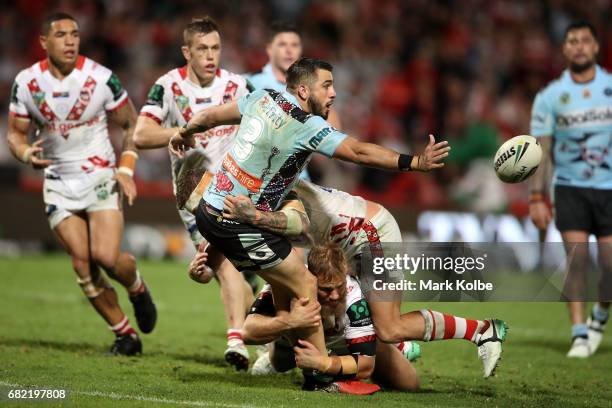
250, 133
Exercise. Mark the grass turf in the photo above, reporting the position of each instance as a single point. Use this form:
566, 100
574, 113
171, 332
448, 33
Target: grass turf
50, 337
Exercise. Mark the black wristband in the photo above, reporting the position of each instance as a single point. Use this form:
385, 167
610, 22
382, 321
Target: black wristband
404, 162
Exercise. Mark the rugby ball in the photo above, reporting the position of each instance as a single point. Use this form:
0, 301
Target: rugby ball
517, 159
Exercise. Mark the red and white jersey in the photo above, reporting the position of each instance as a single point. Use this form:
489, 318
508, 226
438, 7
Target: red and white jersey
334, 215
70, 114
174, 99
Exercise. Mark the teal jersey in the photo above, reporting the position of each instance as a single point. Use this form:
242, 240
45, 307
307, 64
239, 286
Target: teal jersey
265, 79
275, 142
578, 116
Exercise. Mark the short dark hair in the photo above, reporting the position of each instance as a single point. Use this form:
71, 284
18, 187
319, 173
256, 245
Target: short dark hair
203, 25
304, 70
577, 25
52, 18
278, 27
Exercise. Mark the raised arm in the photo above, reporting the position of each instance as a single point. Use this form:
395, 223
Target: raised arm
125, 118
150, 135
373, 155
226, 114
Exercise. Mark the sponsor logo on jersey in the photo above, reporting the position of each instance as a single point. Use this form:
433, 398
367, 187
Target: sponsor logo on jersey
223, 182
14, 89
504, 157
200, 101
564, 98
84, 95
230, 91
252, 183
155, 97
115, 86
275, 116
608, 92
359, 314
315, 141
61, 94
591, 117
586, 94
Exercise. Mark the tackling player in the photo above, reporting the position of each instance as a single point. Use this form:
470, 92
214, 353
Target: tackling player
346, 320
172, 101
571, 119
278, 134
69, 98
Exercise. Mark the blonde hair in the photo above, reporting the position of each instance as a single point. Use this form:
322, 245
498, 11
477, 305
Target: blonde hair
327, 262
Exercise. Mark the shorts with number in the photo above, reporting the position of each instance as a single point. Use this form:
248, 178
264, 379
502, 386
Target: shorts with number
189, 220
247, 248
583, 209
89, 192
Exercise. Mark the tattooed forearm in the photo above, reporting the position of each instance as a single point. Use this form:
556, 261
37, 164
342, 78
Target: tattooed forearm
275, 222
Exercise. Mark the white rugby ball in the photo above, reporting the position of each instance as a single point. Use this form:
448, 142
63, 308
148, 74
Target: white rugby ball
517, 159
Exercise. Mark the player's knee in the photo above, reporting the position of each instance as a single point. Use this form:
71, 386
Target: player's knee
93, 287
80, 264
105, 258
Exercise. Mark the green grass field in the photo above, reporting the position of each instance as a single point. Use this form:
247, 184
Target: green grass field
50, 337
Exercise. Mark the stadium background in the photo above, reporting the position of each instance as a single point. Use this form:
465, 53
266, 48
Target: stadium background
465, 71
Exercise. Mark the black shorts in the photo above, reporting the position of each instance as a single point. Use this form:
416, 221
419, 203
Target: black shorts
247, 248
583, 209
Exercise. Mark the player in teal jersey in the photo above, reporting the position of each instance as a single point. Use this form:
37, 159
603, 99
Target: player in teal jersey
572, 118
278, 134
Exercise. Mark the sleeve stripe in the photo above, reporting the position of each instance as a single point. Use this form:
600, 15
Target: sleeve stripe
362, 339
19, 115
120, 105
151, 116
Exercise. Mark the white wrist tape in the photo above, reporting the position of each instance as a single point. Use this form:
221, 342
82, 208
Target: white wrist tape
294, 222
126, 171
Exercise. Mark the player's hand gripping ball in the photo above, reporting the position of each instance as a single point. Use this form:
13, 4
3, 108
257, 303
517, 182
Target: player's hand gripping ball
517, 159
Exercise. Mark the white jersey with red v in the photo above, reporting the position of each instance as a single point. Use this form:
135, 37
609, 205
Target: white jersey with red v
174, 99
70, 114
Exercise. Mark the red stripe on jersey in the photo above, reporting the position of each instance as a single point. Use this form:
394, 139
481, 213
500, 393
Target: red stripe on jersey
83, 100
183, 105
183, 72
18, 115
80, 62
470, 328
151, 116
362, 339
373, 239
449, 326
218, 72
39, 99
125, 100
43, 65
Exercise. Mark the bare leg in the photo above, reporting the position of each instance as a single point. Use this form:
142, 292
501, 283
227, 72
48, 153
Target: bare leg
73, 233
292, 276
393, 370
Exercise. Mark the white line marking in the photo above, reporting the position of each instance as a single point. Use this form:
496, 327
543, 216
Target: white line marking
115, 396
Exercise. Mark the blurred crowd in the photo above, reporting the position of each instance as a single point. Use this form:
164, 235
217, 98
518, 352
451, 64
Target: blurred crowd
465, 71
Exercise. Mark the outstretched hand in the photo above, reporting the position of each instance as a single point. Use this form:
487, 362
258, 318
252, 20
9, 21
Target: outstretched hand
432, 157
180, 142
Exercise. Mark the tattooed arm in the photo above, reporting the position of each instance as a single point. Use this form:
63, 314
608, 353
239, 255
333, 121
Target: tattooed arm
290, 221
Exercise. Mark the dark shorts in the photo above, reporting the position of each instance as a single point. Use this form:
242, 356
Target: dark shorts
247, 248
583, 209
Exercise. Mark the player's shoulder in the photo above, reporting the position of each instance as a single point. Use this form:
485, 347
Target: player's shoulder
93, 68
178, 74
606, 75
353, 290
227, 76
554, 86
33, 71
